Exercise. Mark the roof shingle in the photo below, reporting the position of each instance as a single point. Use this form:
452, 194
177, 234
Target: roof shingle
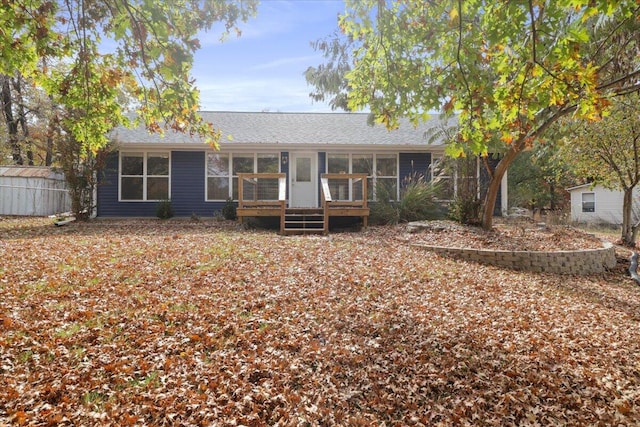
292, 128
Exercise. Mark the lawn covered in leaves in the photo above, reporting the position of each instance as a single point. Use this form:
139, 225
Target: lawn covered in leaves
196, 323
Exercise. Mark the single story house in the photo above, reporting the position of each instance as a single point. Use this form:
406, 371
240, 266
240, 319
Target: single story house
598, 205
297, 148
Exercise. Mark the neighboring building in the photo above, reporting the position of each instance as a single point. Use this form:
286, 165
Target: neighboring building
198, 180
32, 191
597, 205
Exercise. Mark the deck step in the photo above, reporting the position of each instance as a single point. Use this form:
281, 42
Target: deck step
304, 221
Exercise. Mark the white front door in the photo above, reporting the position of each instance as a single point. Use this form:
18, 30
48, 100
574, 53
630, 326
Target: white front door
304, 180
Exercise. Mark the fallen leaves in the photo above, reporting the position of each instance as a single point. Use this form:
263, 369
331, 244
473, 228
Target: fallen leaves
184, 323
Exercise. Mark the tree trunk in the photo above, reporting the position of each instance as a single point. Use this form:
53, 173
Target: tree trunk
22, 117
12, 124
494, 186
629, 229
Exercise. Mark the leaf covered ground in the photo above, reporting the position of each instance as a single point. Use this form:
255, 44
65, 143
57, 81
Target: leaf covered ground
198, 323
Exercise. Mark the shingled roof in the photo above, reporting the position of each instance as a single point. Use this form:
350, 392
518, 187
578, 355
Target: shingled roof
292, 128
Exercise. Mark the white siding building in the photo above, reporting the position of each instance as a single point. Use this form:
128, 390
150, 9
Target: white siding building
32, 191
598, 205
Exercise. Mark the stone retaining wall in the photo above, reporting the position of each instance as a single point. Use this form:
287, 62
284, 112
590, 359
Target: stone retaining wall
579, 262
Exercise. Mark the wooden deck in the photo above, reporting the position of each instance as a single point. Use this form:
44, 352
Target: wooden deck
257, 198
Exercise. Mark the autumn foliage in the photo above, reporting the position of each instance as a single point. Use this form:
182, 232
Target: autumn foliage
198, 323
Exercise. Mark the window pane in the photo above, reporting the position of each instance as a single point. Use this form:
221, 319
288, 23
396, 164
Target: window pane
132, 164
234, 194
362, 163
339, 189
217, 164
217, 188
242, 164
131, 188
588, 202
303, 169
157, 188
386, 165
338, 163
357, 187
387, 187
268, 163
158, 164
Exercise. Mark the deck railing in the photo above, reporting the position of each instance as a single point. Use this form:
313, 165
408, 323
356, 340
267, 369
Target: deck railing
265, 194
262, 194
345, 194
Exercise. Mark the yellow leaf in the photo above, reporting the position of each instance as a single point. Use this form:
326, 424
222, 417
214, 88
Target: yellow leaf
453, 14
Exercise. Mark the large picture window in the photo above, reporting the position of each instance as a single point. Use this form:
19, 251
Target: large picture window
223, 170
144, 176
381, 169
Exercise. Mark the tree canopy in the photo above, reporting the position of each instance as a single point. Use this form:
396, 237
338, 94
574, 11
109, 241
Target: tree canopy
153, 43
507, 69
608, 153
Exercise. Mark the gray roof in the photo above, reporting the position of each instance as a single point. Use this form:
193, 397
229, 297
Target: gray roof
291, 128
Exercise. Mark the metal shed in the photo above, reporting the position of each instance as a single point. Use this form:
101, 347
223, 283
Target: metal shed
32, 191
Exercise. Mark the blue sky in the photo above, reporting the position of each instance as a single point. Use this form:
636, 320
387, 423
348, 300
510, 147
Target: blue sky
263, 69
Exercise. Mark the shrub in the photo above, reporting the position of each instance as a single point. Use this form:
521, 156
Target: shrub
229, 210
164, 210
417, 202
465, 210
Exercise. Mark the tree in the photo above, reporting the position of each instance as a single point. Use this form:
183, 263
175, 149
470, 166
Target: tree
608, 152
537, 180
154, 46
509, 69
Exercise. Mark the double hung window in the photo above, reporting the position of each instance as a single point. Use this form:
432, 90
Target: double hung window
588, 202
144, 176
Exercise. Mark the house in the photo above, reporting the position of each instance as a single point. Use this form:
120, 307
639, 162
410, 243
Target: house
597, 205
309, 157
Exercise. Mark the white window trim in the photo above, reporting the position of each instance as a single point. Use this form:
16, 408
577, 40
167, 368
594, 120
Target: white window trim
373, 177
145, 156
582, 202
231, 176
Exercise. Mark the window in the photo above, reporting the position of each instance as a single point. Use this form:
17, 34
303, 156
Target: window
217, 176
588, 202
144, 176
381, 169
386, 173
223, 170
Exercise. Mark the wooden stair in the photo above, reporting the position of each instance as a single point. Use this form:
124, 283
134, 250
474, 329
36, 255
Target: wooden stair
304, 221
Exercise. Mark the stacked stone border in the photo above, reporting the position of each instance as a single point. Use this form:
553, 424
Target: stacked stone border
578, 262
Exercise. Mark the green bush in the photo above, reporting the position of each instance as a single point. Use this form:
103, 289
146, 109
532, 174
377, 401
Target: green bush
164, 210
417, 202
465, 210
229, 210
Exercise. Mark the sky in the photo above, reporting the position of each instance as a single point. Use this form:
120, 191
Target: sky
263, 69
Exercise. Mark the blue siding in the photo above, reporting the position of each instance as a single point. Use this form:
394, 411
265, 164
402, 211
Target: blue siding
107, 200
187, 189
188, 184
414, 163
